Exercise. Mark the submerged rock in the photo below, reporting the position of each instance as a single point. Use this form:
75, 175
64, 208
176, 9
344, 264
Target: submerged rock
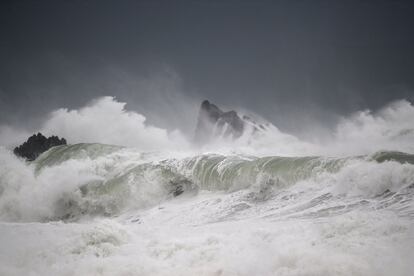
36, 145
180, 185
213, 122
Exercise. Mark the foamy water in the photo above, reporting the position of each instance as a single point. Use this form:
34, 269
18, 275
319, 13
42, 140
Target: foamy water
262, 205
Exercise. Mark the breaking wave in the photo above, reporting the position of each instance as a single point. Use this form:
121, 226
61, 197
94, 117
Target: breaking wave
143, 201
69, 182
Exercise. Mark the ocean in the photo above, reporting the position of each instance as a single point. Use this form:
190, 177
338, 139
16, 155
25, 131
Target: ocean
266, 206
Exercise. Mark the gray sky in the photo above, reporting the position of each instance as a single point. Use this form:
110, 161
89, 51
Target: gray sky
293, 62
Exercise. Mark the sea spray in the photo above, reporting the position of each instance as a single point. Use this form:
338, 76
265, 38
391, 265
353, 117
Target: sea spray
264, 204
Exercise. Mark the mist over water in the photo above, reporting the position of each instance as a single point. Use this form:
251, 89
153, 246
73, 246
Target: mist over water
106, 120
126, 197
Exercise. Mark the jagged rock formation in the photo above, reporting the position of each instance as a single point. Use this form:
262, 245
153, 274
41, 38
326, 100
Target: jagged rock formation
36, 145
213, 122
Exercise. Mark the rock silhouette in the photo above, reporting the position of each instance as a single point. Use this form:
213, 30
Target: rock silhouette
213, 122
36, 145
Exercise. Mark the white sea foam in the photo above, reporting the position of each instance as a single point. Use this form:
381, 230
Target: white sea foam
93, 209
175, 239
106, 121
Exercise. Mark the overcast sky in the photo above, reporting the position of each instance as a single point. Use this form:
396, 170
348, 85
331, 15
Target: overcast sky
290, 61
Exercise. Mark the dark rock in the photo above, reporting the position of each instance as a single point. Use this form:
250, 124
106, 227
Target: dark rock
213, 122
36, 145
180, 185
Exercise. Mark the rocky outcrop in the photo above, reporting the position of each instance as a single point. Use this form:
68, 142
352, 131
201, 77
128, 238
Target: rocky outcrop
213, 122
36, 145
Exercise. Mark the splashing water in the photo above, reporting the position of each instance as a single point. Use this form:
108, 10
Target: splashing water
266, 204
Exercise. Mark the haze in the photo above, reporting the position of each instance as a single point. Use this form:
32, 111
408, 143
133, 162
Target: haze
299, 64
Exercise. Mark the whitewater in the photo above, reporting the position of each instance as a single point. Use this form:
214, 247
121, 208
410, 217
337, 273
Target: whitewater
128, 198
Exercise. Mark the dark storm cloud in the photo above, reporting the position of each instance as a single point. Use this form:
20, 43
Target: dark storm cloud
290, 61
